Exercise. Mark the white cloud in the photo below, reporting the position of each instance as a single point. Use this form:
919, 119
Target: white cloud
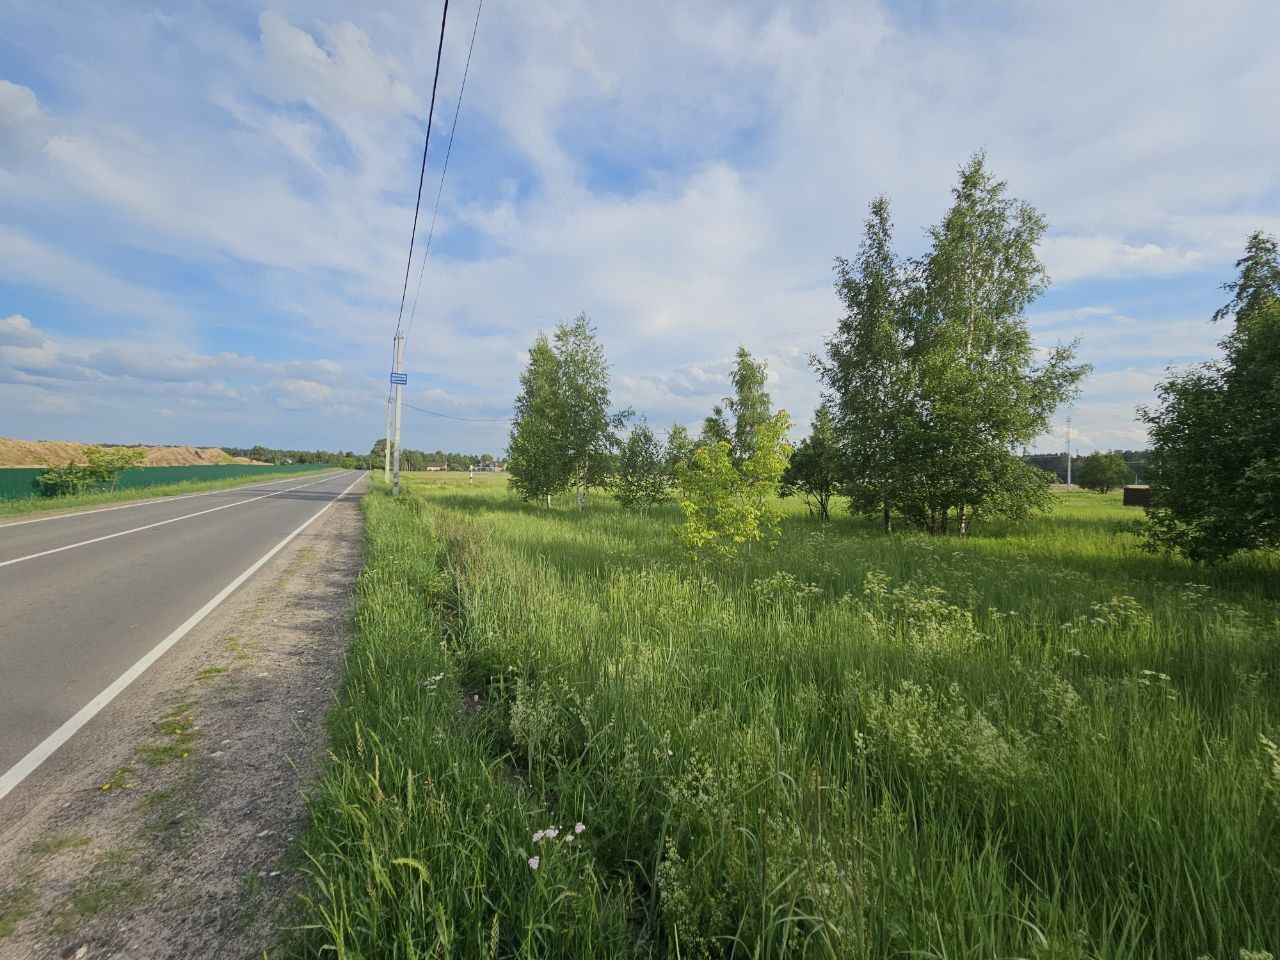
1074, 258
22, 123
348, 76
44, 401
296, 394
17, 331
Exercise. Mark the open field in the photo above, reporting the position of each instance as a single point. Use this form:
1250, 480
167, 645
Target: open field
1033, 743
145, 487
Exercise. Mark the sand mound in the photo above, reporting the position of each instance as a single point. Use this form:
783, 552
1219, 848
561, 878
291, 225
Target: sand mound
184, 456
37, 453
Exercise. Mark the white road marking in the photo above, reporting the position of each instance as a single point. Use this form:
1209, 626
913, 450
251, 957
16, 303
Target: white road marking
158, 523
45, 749
143, 503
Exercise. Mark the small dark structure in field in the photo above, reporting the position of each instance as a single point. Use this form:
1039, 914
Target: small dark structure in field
1136, 495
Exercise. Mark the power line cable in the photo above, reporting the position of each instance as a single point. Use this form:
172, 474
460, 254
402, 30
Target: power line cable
413, 312
423, 172
449, 416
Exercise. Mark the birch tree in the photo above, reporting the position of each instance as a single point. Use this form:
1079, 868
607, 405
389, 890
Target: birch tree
562, 433
867, 376
982, 392
535, 459
643, 475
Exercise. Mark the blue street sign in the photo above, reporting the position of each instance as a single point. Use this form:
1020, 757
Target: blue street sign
401, 378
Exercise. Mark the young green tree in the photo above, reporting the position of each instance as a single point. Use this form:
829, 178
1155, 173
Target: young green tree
105, 463
587, 428
1214, 467
1102, 472
813, 472
932, 375
643, 475
867, 375
64, 481
562, 433
535, 456
679, 448
735, 419
729, 505
985, 392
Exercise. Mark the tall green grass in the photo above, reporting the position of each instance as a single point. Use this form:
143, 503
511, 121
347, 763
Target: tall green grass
1035, 742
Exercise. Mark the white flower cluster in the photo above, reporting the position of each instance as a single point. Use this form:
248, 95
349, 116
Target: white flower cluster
555, 833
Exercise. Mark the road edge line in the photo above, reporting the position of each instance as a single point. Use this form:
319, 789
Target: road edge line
12, 777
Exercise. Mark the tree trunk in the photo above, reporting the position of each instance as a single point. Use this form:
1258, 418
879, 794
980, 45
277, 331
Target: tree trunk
888, 520
946, 517
961, 520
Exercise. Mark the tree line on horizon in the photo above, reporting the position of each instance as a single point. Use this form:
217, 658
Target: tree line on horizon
931, 387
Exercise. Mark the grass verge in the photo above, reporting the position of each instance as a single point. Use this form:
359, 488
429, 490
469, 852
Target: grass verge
1039, 742
31, 505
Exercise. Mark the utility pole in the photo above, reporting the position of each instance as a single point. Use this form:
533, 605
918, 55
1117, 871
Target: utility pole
398, 378
1068, 453
386, 447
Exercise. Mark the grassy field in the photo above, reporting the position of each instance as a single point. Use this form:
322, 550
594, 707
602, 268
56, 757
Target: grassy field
1039, 742
87, 501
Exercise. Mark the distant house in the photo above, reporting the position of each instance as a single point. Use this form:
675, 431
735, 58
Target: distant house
1137, 495
437, 467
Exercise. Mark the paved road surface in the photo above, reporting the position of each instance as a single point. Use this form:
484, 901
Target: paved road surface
84, 598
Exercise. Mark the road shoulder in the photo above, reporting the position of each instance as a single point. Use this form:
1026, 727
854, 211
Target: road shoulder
162, 828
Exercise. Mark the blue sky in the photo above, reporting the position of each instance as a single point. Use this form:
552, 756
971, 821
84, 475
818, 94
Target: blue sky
204, 208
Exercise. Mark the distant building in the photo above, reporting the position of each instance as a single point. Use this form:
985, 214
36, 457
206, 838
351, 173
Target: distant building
1136, 495
437, 467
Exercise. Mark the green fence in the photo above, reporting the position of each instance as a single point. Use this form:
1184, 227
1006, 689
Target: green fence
15, 482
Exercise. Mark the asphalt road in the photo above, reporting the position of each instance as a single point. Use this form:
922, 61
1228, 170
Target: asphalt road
84, 598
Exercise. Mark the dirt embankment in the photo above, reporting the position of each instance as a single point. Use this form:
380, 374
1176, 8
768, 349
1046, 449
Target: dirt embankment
58, 453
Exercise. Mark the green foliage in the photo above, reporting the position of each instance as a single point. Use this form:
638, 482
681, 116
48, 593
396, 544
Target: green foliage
813, 473
679, 447
735, 419
728, 505
277, 456
932, 374
644, 474
1214, 468
105, 463
1102, 472
102, 466
535, 459
67, 481
417, 460
562, 432
868, 375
